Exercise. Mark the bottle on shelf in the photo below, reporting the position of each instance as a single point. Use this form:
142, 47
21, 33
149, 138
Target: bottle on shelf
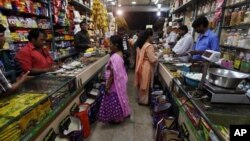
240, 17
231, 37
226, 37
234, 17
237, 1
245, 65
236, 37
232, 2
247, 40
247, 16
228, 17
237, 61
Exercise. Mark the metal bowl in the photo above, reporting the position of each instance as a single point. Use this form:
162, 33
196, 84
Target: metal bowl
225, 78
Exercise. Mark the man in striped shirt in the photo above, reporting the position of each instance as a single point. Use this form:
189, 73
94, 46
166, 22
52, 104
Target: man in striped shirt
5, 86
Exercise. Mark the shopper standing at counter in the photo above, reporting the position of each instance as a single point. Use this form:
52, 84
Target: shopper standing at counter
145, 63
82, 40
185, 44
115, 105
207, 39
170, 37
5, 86
34, 57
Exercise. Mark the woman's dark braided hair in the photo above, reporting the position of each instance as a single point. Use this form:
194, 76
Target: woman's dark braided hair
143, 38
118, 42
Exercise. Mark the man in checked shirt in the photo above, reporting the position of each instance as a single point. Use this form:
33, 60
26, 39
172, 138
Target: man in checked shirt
5, 86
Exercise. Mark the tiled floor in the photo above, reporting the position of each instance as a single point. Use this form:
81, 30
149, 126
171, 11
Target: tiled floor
137, 128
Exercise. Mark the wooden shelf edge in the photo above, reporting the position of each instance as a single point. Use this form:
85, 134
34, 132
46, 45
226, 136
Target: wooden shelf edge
181, 8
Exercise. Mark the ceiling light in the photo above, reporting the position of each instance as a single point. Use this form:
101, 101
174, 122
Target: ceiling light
119, 12
113, 3
109, 0
119, 5
133, 2
158, 14
156, 1
159, 6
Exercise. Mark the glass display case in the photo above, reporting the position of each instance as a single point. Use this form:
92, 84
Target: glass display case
32, 102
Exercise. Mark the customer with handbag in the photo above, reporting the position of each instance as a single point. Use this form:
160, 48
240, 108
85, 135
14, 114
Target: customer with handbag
115, 104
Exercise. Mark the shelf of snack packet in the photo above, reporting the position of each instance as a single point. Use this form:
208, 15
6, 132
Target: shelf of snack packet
43, 105
79, 6
207, 118
24, 14
247, 25
234, 47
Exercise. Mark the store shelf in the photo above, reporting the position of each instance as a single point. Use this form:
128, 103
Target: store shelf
26, 28
20, 41
64, 40
66, 56
206, 14
246, 2
41, 1
23, 14
80, 7
234, 47
238, 26
178, 20
183, 7
199, 110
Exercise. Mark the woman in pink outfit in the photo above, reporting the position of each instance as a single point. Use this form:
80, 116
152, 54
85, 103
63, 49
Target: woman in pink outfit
115, 104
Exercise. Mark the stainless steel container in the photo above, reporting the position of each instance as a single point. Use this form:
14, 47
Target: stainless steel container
225, 78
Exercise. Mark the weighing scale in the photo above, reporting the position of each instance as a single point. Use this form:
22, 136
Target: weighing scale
218, 94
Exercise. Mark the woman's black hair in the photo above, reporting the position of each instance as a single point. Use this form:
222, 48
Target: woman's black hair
144, 37
118, 42
34, 33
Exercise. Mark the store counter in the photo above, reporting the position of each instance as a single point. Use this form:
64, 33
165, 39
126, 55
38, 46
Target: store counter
43, 102
197, 112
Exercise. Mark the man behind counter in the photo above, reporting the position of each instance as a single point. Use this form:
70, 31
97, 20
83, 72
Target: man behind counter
82, 40
184, 44
5, 86
207, 39
33, 57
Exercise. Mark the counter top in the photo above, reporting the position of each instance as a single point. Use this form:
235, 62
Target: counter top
216, 114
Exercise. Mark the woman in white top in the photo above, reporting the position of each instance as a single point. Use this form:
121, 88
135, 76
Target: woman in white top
184, 45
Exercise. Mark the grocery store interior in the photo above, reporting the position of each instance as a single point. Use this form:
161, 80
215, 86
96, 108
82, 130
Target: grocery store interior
124, 70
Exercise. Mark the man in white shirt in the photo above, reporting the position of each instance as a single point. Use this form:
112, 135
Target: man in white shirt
170, 37
185, 44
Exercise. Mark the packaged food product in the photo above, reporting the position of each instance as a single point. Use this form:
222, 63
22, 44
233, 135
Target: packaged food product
7, 4
228, 17
240, 17
247, 16
234, 17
